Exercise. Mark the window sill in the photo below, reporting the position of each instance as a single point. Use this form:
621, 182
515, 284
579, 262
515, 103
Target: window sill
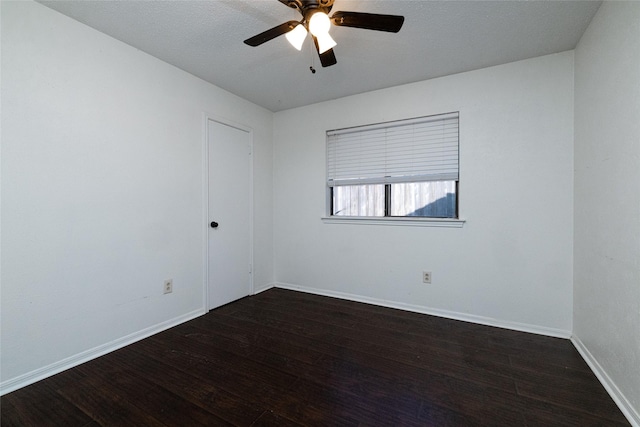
406, 221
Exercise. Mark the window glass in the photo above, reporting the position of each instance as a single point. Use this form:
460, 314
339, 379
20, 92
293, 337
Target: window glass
358, 200
436, 199
431, 199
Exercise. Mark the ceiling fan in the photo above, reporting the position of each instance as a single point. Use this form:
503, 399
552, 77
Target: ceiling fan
316, 20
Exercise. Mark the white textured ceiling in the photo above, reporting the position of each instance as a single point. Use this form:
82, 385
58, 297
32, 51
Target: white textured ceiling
205, 38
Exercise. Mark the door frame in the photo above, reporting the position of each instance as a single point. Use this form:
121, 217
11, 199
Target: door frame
205, 204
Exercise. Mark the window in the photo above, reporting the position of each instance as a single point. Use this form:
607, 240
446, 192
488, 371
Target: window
406, 168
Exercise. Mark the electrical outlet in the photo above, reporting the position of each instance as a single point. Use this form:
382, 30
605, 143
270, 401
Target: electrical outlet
426, 277
168, 286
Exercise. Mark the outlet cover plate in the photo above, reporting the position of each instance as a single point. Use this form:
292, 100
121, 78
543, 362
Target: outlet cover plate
168, 286
426, 277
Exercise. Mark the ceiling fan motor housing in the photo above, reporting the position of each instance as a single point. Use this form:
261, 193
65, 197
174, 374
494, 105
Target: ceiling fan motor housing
303, 5
308, 7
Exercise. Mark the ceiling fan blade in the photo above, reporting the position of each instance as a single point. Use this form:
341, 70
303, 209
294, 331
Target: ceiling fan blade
327, 58
294, 4
272, 33
368, 21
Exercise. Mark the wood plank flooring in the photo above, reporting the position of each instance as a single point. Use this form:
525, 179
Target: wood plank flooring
284, 358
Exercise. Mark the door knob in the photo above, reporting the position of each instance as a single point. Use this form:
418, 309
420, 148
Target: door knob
214, 224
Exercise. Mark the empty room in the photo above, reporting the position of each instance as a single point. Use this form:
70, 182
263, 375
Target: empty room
308, 213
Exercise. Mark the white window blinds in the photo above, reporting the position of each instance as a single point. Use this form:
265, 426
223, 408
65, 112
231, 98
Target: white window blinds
421, 149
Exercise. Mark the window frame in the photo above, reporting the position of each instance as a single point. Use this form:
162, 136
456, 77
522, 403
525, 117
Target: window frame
388, 219
388, 194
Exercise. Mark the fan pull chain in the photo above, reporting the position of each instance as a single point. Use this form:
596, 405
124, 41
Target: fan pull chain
311, 68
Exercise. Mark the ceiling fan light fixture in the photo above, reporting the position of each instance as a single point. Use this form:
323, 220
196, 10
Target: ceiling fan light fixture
296, 36
325, 42
315, 20
319, 24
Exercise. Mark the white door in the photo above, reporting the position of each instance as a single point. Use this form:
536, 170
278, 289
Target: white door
229, 225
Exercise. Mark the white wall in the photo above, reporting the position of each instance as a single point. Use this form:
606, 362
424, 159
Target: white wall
511, 263
607, 199
102, 196
102, 191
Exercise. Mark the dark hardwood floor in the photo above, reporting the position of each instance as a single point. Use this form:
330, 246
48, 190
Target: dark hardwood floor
284, 358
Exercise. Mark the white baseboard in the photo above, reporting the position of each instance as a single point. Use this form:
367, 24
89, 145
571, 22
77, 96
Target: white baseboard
625, 406
85, 356
522, 327
263, 288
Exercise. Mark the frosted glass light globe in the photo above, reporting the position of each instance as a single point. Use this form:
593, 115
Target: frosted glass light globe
319, 24
325, 42
296, 36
